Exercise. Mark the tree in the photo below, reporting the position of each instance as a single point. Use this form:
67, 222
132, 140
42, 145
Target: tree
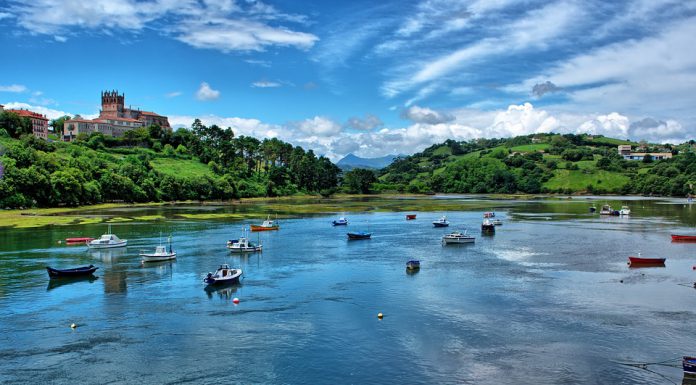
359, 180
647, 158
14, 124
57, 124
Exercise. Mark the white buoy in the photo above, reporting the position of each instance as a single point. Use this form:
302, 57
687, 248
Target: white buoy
235, 301
73, 326
380, 315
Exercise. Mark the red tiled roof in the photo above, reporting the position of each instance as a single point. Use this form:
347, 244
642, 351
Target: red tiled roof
149, 113
29, 114
119, 119
80, 120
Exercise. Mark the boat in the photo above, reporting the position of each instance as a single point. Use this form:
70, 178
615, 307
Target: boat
224, 274
160, 254
489, 214
487, 226
683, 238
413, 265
107, 241
497, 222
606, 210
243, 245
689, 365
267, 225
645, 261
76, 272
593, 209
359, 235
625, 210
457, 237
342, 221
410, 217
78, 240
442, 222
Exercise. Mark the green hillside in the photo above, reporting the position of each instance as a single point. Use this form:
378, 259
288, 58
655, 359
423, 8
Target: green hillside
542, 163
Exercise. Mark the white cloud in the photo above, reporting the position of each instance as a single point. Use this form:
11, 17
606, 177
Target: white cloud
13, 88
613, 124
206, 93
319, 126
426, 115
60, 39
265, 84
368, 123
173, 94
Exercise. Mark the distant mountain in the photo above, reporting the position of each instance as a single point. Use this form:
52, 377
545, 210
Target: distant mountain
351, 161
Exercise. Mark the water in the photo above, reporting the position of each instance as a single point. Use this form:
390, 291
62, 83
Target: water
540, 302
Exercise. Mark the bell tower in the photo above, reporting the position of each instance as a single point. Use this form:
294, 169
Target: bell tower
112, 104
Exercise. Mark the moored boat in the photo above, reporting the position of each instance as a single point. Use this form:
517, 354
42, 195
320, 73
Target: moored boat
359, 235
489, 214
75, 272
645, 261
342, 221
78, 240
625, 211
267, 225
224, 274
689, 365
593, 209
457, 237
606, 210
107, 241
683, 238
410, 217
487, 227
442, 222
497, 222
413, 264
160, 254
243, 245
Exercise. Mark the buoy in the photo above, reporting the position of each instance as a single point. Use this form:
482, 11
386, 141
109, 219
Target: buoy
235, 300
73, 326
621, 281
380, 315
59, 241
693, 268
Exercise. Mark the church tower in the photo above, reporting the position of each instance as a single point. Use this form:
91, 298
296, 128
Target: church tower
112, 104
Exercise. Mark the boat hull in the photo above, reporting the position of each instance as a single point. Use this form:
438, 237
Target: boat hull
262, 228
78, 241
107, 246
76, 272
245, 249
234, 278
410, 217
353, 236
689, 365
646, 261
451, 241
413, 265
488, 228
437, 224
157, 258
335, 223
683, 238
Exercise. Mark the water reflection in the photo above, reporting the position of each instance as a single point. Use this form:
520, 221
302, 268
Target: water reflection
108, 256
412, 272
115, 281
162, 268
224, 291
689, 379
58, 282
645, 265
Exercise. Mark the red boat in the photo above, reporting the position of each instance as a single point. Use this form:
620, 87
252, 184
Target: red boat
683, 238
645, 261
410, 217
78, 240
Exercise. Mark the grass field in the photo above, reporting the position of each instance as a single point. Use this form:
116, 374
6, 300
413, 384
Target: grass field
613, 141
181, 167
578, 180
530, 147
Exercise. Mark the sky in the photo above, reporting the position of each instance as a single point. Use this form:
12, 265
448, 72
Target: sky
363, 77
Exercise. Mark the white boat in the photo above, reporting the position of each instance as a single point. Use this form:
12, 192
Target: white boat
160, 254
497, 222
625, 210
442, 222
224, 274
487, 226
243, 245
606, 210
457, 237
342, 221
107, 241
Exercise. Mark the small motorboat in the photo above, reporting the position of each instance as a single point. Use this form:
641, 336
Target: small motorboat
413, 265
487, 227
442, 222
625, 211
683, 238
78, 240
107, 241
489, 214
606, 210
497, 222
224, 274
593, 209
689, 366
161, 253
76, 272
410, 217
645, 261
342, 221
267, 225
243, 245
359, 235
457, 237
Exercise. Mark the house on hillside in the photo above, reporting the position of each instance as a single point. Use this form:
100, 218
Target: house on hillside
625, 151
39, 123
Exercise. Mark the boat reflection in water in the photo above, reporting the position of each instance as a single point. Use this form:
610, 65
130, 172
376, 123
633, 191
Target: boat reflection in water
56, 283
689, 379
107, 256
224, 291
115, 281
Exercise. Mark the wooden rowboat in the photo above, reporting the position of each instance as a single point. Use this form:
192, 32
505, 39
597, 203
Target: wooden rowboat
410, 217
76, 272
683, 238
645, 261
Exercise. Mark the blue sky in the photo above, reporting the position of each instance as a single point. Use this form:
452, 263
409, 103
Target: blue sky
372, 78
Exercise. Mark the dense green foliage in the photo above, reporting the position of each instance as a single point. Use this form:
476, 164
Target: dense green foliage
548, 163
153, 164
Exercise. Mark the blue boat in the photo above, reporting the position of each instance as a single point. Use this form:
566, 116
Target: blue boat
76, 272
689, 365
342, 221
359, 235
413, 265
442, 222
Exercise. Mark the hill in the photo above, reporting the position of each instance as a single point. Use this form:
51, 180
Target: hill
351, 161
542, 163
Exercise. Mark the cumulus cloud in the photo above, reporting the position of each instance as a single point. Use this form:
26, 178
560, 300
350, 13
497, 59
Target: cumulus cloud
13, 88
669, 131
540, 89
319, 126
613, 124
206, 93
368, 123
418, 114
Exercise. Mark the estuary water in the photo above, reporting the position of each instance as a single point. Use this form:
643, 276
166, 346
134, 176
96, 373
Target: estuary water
548, 299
